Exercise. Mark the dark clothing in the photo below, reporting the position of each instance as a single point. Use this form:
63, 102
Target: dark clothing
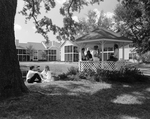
112, 58
89, 57
83, 57
33, 79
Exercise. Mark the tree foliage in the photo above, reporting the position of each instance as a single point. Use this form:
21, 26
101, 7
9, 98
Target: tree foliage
30, 51
133, 18
95, 20
31, 10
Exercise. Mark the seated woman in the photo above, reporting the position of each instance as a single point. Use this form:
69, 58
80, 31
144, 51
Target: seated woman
46, 75
89, 56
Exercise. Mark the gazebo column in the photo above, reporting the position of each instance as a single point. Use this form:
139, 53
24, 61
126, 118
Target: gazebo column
102, 46
80, 46
80, 58
123, 51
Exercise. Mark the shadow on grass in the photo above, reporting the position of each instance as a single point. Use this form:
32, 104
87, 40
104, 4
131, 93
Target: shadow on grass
71, 100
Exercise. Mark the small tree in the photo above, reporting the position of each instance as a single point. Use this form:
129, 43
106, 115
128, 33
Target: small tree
30, 51
43, 55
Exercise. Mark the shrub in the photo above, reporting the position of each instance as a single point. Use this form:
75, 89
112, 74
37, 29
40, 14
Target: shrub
72, 71
125, 75
87, 74
62, 76
146, 57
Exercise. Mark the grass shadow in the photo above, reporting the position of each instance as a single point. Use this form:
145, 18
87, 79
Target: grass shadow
107, 101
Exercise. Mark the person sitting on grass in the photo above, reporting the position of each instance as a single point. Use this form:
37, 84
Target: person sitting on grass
46, 74
33, 75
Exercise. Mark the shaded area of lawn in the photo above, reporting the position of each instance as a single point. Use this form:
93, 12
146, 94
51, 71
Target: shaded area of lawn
80, 100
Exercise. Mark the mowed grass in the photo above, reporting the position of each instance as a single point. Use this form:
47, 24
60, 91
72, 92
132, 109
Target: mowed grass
79, 100
56, 67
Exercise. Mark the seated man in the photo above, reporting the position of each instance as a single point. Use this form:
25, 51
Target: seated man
33, 75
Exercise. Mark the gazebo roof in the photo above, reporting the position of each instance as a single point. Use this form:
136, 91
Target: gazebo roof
102, 34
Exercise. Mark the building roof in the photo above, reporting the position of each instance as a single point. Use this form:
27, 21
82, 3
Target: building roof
19, 47
51, 44
102, 34
36, 46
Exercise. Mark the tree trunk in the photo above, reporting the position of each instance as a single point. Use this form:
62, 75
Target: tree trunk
11, 82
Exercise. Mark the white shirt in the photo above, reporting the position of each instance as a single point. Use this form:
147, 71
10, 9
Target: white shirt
95, 55
116, 53
30, 74
46, 76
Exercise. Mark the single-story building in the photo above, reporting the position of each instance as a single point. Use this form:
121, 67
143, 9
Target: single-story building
103, 38
32, 51
69, 51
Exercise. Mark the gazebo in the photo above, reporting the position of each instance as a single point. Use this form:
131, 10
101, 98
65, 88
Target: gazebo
105, 40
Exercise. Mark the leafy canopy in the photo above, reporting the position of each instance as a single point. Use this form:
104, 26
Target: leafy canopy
133, 18
32, 9
95, 20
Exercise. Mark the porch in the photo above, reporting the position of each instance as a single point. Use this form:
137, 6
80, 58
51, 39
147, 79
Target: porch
104, 39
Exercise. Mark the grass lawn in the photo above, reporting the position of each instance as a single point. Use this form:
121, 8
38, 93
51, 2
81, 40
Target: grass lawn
57, 67
79, 100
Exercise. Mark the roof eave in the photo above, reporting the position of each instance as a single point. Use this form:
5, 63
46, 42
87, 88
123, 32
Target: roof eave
96, 40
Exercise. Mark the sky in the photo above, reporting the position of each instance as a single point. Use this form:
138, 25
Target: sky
25, 32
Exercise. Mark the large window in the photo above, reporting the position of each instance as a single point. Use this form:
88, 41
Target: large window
132, 55
107, 52
71, 53
22, 55
51, 54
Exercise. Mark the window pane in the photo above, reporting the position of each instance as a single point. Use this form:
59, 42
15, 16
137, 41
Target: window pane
55, 52
28, 58
130, 55
20, 57
68, 57
70, 49
54, 58
105, 49
75, 49
50, 51
20, 51
24, 58
110, 49
66, 49
76, 58
105, 56
23, 51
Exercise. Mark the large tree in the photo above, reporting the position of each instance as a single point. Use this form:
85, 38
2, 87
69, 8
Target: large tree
31, 10
133, 18
11, 83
